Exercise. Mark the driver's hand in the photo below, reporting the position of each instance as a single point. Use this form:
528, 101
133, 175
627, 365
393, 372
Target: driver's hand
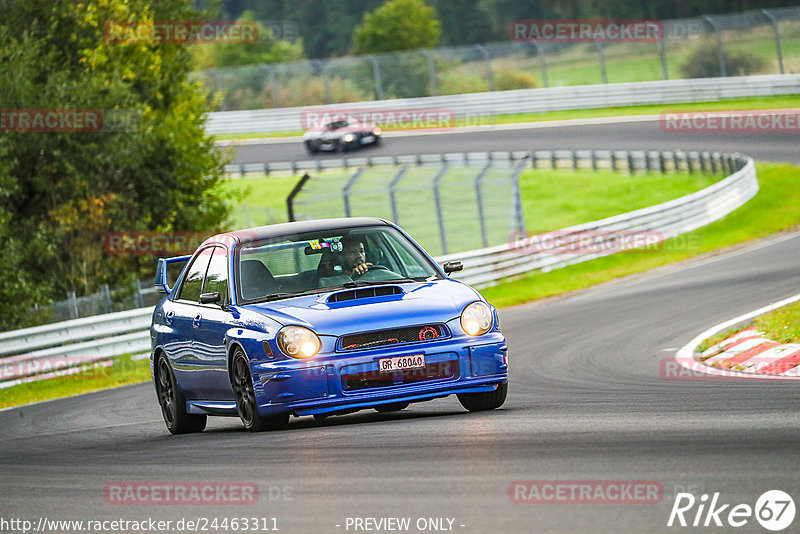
361, 269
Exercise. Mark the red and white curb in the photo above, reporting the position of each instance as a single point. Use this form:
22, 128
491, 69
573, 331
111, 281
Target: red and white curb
747, 354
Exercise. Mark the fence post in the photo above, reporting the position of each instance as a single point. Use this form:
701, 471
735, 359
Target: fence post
488, 59
106, 299
273, 81
774, 24
631, 167
246, 210
439, 213
376, 75
602, 57
290, 199
542, 64
321, 65
431, 72
393, 190
73, 305
137, 294
479, 198
662, 55
723, 71
518, 215
346, 191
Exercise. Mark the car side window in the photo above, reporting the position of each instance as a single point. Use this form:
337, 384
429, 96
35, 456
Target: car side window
193, 283
217, 275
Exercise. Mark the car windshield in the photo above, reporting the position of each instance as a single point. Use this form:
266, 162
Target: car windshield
338, 124
305, 263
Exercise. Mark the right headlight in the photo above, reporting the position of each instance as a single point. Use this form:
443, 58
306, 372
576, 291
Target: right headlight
476, 319
298, 342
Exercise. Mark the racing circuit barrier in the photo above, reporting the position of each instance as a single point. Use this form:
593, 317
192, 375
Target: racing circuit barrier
473, 107
60, 348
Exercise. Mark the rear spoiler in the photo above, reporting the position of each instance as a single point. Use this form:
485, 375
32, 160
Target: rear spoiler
161, 284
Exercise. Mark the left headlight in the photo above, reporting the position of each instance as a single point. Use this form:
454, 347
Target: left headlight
476, 319
349, 138
298, 342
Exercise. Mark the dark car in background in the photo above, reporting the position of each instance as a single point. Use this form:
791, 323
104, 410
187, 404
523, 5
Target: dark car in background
341, 136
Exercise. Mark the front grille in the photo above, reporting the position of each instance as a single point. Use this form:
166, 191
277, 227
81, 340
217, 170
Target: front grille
409, 334
375, 379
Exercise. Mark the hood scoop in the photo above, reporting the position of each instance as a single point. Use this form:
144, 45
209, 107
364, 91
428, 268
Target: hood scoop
365, 292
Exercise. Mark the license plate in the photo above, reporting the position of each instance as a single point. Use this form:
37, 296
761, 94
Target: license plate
401, 363
367, 139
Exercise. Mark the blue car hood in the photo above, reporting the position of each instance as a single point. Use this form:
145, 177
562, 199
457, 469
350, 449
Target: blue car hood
419, 303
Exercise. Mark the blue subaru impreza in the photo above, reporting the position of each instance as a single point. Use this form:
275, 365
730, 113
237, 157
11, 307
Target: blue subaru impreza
318, 318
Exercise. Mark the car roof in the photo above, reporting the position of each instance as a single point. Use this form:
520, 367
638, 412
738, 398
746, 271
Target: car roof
259, 233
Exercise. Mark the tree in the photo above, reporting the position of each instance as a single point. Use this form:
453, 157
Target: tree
397, 25
267, 49
62, 191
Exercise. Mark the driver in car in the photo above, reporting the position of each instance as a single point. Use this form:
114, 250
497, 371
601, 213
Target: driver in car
354, 257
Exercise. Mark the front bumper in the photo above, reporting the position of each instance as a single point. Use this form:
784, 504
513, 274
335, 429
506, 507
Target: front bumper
349, 381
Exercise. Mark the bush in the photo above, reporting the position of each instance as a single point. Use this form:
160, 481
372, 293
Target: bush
703, 61
513, 79
458, 82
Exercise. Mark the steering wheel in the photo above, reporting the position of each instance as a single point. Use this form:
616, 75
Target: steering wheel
374, 269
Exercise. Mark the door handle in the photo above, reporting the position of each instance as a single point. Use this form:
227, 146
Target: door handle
168, 317
196, 321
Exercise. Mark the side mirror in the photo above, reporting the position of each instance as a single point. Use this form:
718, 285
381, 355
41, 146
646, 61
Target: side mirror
452, 266
210, 298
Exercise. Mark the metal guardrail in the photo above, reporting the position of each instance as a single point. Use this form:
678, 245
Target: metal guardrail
241, 170
36, 352
475, 105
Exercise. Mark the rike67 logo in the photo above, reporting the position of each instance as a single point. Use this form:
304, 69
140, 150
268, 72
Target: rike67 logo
774, 510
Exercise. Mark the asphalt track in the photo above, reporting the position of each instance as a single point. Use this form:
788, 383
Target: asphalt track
587, 401
639, 135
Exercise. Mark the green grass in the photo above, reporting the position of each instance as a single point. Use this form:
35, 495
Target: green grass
124, 371
775, 208
774, 102
781, 325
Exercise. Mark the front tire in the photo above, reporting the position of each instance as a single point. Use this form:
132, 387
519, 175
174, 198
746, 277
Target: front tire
246, 403
173, 403
478, 402
312, 147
